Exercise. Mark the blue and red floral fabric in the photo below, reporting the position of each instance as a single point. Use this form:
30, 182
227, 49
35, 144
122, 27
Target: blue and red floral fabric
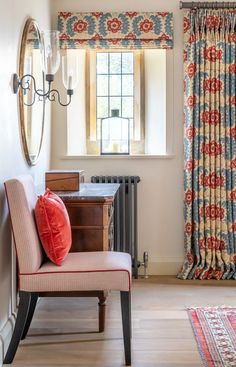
116, 30
210, 144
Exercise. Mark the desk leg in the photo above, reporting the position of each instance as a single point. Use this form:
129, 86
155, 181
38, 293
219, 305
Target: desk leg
102, 313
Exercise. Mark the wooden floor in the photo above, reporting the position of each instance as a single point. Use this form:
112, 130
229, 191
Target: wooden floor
162, 335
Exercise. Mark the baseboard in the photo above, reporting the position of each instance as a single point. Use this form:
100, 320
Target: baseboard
5, 336
165, 266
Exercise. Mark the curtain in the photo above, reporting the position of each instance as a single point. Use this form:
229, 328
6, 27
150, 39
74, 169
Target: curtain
209, 144
116, 30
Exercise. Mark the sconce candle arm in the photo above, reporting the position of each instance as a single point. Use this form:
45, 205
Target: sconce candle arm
52, 97
30, 104
25, 84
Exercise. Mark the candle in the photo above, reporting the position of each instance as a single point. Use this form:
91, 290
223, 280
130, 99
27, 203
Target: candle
115, 148
49, 65
29, 65
70, 82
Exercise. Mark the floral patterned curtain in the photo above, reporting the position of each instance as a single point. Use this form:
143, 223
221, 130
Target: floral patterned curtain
116, 30
210, 144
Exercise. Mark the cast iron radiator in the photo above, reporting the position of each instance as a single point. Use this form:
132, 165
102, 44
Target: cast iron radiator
125, 215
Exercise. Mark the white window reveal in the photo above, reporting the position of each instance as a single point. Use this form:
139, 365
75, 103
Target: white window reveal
131, 83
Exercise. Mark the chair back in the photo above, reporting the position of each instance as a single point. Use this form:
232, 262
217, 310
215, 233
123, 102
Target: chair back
21, 198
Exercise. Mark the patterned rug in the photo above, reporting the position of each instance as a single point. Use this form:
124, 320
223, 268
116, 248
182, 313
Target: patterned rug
215, 333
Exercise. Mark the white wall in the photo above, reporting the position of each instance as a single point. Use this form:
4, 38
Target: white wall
155, 100
13, 14
76, 111
161, 188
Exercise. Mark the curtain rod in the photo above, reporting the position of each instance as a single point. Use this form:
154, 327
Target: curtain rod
207, 4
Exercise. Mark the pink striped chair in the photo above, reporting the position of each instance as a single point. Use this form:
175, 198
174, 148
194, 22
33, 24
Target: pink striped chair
81, 271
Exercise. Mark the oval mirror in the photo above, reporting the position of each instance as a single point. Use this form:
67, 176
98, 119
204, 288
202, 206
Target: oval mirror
32, 107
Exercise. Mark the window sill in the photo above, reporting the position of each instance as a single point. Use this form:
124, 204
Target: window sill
117, 157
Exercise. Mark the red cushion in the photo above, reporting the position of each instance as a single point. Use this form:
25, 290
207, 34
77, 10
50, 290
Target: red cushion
53, 226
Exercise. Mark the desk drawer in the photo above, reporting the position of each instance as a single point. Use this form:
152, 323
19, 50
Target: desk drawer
89, 239
89, 215
85, 215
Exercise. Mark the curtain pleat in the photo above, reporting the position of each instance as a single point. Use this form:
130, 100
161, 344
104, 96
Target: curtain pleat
209, 144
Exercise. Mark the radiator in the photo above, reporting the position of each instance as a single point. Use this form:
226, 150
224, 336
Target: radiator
125, 215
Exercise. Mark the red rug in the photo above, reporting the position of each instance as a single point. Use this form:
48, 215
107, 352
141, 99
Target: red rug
215, 333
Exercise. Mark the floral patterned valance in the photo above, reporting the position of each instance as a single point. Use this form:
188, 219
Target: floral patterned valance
116, 30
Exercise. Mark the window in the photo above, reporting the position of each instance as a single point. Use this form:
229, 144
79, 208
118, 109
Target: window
109, 80
115, 86
115, 79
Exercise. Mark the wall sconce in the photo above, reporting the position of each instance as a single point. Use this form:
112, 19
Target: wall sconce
50, 60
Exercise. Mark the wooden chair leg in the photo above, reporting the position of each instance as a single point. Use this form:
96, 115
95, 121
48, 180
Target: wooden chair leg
101, 313
33, 303
126, 322
22, 314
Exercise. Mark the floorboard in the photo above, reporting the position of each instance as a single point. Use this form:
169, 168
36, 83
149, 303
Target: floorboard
64, 331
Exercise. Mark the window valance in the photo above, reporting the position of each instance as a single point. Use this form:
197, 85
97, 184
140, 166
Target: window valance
116, 30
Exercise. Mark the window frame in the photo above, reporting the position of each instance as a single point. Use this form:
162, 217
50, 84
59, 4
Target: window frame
137, 143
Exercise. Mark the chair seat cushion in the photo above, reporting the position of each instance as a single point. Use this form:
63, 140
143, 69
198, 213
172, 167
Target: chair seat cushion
53, 226
82, 271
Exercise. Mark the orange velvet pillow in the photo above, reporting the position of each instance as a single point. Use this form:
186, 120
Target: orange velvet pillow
53, 226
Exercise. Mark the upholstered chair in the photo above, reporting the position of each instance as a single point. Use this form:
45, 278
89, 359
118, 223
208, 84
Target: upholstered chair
80, 271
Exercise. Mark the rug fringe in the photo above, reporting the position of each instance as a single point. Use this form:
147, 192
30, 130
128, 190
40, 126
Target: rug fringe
209, 307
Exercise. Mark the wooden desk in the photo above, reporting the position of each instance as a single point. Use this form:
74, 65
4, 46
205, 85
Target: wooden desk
91, 216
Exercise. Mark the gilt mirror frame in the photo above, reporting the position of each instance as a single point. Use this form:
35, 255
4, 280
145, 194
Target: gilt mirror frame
31, 159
